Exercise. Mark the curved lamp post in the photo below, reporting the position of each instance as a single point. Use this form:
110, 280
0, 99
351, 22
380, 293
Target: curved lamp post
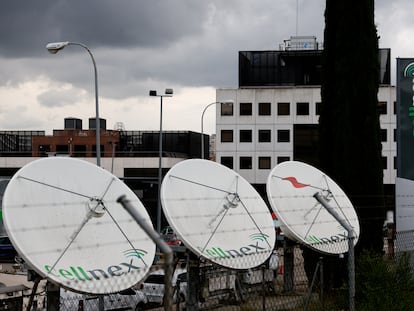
168, 93
56, 47
226, 102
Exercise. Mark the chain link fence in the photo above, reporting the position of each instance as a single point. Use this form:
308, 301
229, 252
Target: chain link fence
300, 280
199, 284
399, 242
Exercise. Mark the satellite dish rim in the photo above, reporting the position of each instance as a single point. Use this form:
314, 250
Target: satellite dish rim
216, 178
317, 244
52, 169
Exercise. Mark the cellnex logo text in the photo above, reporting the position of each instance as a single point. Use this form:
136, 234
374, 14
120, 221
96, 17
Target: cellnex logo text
313, 239
79, 273
409, 73
259, 244
409, 70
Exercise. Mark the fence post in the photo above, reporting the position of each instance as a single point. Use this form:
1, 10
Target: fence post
351, 257
321, 298
193, 272
164, 248
53, 296
288, 262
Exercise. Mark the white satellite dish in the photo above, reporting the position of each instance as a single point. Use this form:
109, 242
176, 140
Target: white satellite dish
62, 216
217, 214
291, 187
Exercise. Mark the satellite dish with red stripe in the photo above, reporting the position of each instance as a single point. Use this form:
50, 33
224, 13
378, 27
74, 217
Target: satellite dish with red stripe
291, 187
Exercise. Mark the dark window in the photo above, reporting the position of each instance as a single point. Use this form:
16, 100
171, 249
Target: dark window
226, 109
140, 172
245, 109
302, 109
395, 163
245, 136
227, 161
384, 163
246, 163
305, 143
282, 159
43, 150
264, 163
155, 279
283, 136
382, 107
226, 136
283, 109
318, 108
264, 109
62, 148
265, 136
383, 134
395, 107
79, 151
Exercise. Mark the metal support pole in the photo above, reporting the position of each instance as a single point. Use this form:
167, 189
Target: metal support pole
164, 248
57, 46
227, 102
168, 93
193, 285
321, 281
263, 287
113, 155
351, 256
202, 128
159, 172
97, 119
288, 266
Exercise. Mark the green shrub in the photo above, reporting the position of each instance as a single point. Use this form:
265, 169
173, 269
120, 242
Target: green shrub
384, 285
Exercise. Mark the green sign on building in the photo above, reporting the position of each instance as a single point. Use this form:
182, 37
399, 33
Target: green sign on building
405, 118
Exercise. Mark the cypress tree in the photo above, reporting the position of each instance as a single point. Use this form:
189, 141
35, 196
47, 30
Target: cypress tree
349, 128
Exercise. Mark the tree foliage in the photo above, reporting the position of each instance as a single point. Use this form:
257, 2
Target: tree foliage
382, 285
350, 146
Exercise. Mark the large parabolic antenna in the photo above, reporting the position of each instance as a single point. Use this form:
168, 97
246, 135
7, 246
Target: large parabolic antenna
62, 216
291, 187
218, 214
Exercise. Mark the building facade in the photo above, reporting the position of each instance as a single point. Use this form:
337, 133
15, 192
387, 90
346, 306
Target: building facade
132, 156
275, 113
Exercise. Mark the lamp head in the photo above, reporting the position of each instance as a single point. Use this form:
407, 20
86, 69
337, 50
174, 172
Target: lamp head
54, 47
168, 91
152, 93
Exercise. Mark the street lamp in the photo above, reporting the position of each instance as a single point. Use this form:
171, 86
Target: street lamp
168, 93
56, 47
227, 103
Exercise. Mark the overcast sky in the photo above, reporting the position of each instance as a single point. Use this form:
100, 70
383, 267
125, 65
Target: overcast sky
188, 45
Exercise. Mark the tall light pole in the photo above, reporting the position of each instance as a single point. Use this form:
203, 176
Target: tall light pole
226, 102
113, 143
56, 47
168, 93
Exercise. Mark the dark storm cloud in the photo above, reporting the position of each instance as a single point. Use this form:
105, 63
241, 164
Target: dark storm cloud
26, 25
140, 44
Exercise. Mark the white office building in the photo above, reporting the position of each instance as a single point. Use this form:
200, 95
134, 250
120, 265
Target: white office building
275, 112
